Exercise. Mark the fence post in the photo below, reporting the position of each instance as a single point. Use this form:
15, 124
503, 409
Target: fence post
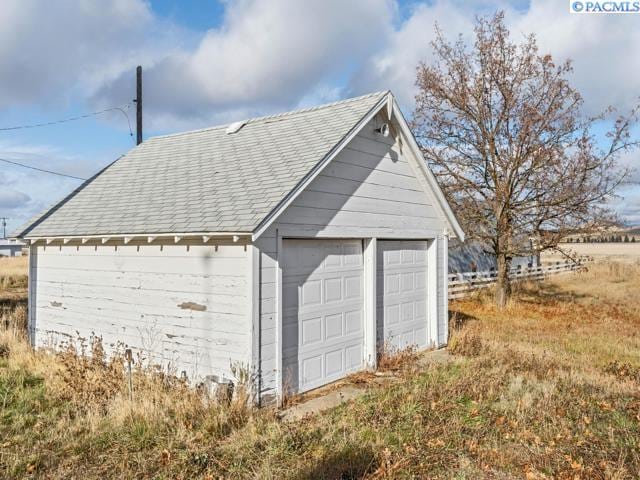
128, 355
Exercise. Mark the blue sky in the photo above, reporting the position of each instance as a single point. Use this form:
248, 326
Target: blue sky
208, 62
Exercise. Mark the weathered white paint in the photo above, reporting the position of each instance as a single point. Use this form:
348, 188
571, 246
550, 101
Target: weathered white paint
185, 307
370, 190
253, 275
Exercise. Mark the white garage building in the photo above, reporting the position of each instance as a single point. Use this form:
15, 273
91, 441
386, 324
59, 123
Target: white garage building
294, 245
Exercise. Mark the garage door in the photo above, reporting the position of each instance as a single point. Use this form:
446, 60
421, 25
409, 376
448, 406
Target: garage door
322, 311
402, 294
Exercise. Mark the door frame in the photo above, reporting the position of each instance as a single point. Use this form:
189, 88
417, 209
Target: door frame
280, 238
431, 289
369, 258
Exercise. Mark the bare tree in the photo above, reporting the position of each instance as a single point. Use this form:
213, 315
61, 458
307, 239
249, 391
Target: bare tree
505, 133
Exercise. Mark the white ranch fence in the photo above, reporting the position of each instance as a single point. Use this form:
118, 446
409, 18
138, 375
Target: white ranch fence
463, 284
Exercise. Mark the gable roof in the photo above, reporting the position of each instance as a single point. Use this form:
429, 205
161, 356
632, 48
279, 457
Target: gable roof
209, 180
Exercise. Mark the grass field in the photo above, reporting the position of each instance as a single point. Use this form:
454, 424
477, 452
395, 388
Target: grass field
617, 252
548, 388
12, 270
13, 293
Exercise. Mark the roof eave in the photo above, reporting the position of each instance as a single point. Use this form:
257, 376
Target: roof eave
149, 237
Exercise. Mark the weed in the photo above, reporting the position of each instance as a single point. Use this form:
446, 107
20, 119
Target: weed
395, 359
547, 388
466, 343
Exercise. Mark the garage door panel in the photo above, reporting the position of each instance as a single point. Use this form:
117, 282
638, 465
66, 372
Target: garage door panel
323, 314
407, 282
312, 368
402, 292
391, 314
391, 284
311, 294
333, 326
353, 358
311, 331
353, 322
335, 362
407, 257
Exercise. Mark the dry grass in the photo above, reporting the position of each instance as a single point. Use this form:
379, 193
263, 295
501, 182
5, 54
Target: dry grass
69, 415
548, 388
13, 291
397, 360
13, 272
612, 252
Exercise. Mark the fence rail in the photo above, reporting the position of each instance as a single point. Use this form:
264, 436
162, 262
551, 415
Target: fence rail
463, 284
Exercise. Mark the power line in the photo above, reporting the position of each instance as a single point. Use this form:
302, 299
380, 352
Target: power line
120, 108
41, 169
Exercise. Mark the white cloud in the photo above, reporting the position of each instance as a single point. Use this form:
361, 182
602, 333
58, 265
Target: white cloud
272, 55
394, 66
630, 160
25, 192
265, 56
48, 49
11, 198
606, 69
627, 204
269, 56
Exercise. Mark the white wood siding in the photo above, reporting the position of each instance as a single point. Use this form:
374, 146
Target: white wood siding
185, 307
369, 190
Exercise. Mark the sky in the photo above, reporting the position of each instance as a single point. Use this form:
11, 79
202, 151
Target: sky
209, 62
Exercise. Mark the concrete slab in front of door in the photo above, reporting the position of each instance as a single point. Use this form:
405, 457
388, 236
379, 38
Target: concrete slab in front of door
344, 392
435, 357
319, 404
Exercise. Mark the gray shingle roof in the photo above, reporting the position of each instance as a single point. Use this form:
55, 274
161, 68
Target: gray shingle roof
205, 180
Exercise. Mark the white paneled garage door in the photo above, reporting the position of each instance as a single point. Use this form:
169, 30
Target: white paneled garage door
402, 294
322, 311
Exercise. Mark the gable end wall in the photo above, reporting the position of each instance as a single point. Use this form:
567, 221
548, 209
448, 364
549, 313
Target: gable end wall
369, 190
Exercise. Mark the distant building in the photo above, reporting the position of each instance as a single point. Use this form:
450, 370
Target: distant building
10, 248
474, 256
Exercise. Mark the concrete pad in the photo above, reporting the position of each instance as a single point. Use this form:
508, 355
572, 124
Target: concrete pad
435, 357
320, 404
343, 393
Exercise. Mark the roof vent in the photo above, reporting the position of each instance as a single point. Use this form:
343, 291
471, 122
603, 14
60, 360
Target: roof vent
235, 127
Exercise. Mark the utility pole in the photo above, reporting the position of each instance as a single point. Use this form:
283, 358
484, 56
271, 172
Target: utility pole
138, 105
4, 227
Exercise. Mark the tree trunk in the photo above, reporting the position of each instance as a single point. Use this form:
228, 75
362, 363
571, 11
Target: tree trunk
503, 283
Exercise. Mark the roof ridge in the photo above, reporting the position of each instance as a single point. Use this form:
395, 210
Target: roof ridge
277, 115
